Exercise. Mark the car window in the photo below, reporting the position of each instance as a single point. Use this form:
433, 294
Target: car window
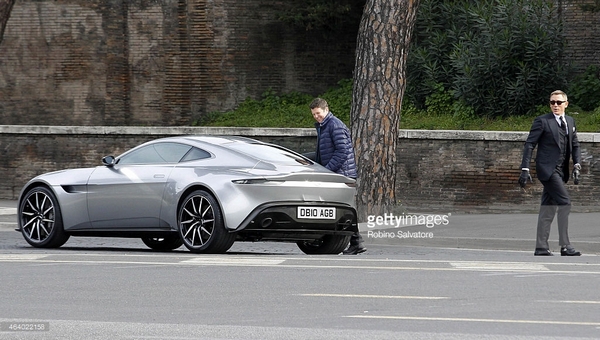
159, 153
269, 153
195, 154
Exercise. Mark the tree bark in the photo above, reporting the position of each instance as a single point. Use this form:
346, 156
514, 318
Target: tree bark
5, 9
379, 84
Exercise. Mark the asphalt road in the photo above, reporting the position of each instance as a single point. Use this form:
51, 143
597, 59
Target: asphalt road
401, 288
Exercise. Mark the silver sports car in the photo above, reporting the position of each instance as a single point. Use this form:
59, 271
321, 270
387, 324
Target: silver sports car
204, 192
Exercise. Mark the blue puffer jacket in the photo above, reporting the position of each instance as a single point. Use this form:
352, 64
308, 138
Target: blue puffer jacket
334, 146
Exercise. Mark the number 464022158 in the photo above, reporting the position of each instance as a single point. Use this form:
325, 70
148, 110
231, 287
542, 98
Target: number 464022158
9, 326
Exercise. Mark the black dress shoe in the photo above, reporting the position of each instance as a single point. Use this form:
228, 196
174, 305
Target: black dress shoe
354, 249
542, 252
569, 252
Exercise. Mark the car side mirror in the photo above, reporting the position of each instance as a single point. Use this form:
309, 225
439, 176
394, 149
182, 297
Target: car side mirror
109, 161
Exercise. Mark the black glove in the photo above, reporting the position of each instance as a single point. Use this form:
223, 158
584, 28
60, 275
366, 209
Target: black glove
576, 169
525, 176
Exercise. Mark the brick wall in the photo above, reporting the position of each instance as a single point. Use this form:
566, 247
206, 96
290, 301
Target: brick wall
118, 62
581, 31
438, 171
478, 171
142, 62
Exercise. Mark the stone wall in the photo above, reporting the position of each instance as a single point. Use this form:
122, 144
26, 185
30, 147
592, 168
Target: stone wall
438, 171
478, 171
581, 31
145, 62
168, 62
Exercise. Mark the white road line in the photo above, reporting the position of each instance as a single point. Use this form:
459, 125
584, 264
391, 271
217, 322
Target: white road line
8, 211
230, 261
21, 257
499, 266
424, 318
378, 296
308, 263
573, 301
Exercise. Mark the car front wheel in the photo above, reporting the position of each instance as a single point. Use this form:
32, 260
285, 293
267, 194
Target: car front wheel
328, 244
40, 219
201, 224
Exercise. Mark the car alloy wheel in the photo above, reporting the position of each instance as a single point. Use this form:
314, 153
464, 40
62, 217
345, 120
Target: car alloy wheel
40, 219
201, 224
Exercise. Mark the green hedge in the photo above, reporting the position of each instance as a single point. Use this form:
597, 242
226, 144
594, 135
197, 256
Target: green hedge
442, 112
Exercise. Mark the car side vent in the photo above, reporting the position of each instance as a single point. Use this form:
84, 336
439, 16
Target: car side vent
72, 189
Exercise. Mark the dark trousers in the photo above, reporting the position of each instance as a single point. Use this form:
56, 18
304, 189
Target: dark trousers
356, 239
555, 201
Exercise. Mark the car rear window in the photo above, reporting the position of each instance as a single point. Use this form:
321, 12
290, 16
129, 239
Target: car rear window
270, 153
195, 154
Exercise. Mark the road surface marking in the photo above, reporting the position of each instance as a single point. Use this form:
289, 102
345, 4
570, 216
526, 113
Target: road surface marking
308, 263
8, 211
21, 257
378, 296
573, 301
499, 266
424, 318
230, 261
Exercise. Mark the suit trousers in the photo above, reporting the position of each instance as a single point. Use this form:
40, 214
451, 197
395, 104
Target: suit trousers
555, 201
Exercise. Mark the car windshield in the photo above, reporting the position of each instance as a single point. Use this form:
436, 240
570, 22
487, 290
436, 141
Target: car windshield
270, 153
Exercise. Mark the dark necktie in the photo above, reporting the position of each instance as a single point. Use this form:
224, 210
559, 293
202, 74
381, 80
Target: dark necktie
563, 125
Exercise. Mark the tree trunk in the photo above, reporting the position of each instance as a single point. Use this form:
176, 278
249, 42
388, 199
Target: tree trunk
379, 83
5, 9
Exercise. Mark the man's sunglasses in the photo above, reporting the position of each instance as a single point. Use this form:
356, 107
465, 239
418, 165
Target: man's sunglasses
557, 102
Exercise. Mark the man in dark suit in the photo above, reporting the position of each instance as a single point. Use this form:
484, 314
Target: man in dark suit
556, 138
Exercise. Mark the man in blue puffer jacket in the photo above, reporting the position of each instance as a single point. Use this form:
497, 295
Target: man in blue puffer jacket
336, 153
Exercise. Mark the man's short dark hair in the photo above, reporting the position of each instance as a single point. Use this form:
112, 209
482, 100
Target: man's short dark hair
318, 102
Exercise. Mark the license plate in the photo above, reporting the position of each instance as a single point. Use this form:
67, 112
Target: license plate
320, 213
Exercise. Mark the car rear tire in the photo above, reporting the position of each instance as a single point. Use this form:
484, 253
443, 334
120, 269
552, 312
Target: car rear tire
167, 243
40, 219
328, 244
201, 224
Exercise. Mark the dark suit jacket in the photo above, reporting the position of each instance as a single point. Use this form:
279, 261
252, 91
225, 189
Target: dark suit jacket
544, 133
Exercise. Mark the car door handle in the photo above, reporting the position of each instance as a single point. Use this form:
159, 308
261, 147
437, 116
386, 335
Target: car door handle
159, 176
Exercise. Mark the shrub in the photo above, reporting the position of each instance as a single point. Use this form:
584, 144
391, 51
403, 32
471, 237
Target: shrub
500, 57
283, 110
585, 89
443, 111
272, 110
437, 29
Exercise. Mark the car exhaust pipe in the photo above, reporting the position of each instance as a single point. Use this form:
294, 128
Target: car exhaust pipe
347, 224
265, 223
